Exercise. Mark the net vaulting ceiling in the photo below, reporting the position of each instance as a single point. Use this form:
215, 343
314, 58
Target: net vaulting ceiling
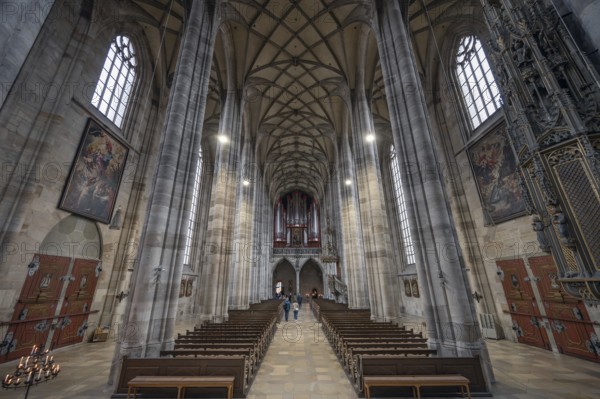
296, 63
163, 25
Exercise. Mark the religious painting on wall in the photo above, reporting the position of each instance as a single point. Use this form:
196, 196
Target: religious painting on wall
95, 176
415, 288
189, 288
495, 169
407, 290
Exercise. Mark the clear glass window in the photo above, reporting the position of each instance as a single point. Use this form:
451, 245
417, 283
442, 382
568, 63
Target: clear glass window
479, 89
116, 81
193, 212
409, 250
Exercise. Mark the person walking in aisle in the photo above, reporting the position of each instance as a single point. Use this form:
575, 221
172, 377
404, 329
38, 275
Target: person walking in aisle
295, 308
286, 308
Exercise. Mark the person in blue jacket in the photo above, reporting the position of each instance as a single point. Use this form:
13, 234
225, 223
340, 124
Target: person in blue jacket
286, 308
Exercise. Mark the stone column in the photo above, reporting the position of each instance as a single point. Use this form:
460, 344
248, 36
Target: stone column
266, 263
352, 248
220, 233
261, 217
150, 315
244, 240
375, 229
373, 216
448, 306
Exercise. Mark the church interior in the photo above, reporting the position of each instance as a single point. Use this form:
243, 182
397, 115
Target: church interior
422, 177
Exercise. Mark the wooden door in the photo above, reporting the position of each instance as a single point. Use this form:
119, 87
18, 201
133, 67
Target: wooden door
35, 310
36, 315
526, 317
77, 303
568, 318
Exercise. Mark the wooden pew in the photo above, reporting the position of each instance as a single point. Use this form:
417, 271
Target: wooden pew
391, 365
181, 383
214, 351
416, 382
256, 344
343, 341
207, 366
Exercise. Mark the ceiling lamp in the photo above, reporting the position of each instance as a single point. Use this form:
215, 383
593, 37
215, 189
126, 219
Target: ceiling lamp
370, 138
348, 182
223, 139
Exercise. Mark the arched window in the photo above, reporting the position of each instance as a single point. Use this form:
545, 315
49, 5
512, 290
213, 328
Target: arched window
409, 250
476, 80
116, 80
193, 212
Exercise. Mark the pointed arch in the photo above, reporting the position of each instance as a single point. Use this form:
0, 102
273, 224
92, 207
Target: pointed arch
476, 81
117, 80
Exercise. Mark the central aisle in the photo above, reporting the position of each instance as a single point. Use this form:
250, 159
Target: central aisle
300, 364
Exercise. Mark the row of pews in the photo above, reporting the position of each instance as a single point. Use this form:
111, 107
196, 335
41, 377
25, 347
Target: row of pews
369, 349
246, 333
353, 334
232, 348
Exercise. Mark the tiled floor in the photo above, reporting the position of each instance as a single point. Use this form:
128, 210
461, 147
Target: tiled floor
300, 364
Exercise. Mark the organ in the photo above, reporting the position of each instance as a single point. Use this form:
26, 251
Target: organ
296, 221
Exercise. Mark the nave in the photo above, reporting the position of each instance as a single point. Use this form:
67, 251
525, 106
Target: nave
300, 364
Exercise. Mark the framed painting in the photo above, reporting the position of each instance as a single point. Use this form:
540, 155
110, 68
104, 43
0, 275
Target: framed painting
415, 288
496, 176
407, 289
95, 176
182, 288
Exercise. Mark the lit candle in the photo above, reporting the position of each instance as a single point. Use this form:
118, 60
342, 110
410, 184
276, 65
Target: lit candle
34, 349
46, 362
39, 376
26, 362
21, 361
29, 377
7, 379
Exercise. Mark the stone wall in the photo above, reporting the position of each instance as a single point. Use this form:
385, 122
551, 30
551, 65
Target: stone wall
42, 124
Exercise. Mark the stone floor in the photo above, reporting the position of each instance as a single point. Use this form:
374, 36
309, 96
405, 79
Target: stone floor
300, 364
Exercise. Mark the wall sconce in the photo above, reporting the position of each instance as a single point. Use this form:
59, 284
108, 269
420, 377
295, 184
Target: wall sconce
476, 296
120, 296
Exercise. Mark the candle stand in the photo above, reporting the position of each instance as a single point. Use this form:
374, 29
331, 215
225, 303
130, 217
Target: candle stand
38, 367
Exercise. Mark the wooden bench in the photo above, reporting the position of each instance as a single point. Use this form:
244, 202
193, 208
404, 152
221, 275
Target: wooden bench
393, 365
416, 382
211, 367
181, 383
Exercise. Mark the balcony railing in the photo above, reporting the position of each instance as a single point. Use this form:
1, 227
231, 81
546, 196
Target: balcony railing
297, 251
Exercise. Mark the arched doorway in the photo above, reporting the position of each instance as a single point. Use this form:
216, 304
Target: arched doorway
285, 274
311, 278
53, 310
